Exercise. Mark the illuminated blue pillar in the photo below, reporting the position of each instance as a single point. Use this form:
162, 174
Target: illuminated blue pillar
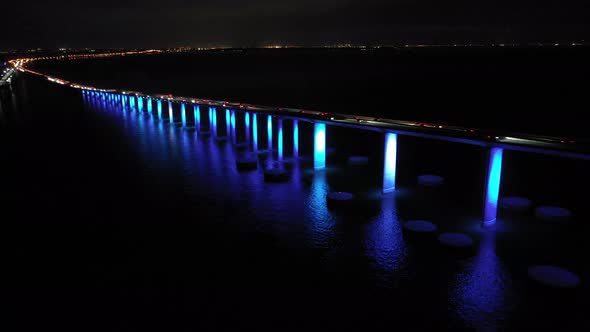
492, 189
232, 122
295, 138
140, 104
124, 101
269, 130
213, 112
149, 105
280, 138
131, 102
159, 109
227, 123
247, 125
319, 152
254, 132
170, 112
197, 111
389, 164
183, 114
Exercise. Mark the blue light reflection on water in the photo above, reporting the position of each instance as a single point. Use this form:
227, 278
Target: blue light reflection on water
480, 291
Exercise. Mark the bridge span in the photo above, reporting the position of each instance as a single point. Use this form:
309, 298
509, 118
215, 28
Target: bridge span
494, 143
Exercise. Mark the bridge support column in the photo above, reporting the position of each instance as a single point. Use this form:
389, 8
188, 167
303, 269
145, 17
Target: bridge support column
131, 102
247, 126
254, 132
149, 105
213, 120
159, 105
269, 130
232, 123
140, 104
183, 114
295, 138
389, 164
170, 112
197, 114
492, 188
227, 123
280, 138
319, 152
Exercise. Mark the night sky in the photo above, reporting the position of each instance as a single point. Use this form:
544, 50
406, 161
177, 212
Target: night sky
200, 23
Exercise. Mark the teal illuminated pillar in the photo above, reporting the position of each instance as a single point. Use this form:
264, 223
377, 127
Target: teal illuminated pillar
280, 138
389, 164
139, 104
492, 189
295, 138
149, 105
319, 152
159, 109
183, 114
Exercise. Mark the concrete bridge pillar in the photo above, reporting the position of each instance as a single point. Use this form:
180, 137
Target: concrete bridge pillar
319, 153
159, 106
269, 131
492, 188
170, 112
197, 114
183, 114
280, 138
254, 132
390, 160
295, 138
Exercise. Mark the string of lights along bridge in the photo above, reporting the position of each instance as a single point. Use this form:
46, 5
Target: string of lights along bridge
192, 111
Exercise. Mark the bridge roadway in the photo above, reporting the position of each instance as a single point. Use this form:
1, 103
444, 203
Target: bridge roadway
550, 145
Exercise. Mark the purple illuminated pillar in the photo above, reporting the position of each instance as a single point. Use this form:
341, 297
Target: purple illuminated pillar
280, 138
389, 165
319, 152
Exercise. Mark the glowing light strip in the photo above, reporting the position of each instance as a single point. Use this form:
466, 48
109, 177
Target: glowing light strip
389, 165
159, 109
149, 105
170, 112
492, 190
319, 154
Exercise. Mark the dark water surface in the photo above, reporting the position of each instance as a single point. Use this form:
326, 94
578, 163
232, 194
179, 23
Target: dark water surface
114, 221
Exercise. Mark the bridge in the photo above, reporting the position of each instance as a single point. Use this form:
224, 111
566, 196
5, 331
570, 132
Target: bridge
494, 143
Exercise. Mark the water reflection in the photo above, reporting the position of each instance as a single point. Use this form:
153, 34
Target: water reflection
321, 222
384, 242
479, 294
